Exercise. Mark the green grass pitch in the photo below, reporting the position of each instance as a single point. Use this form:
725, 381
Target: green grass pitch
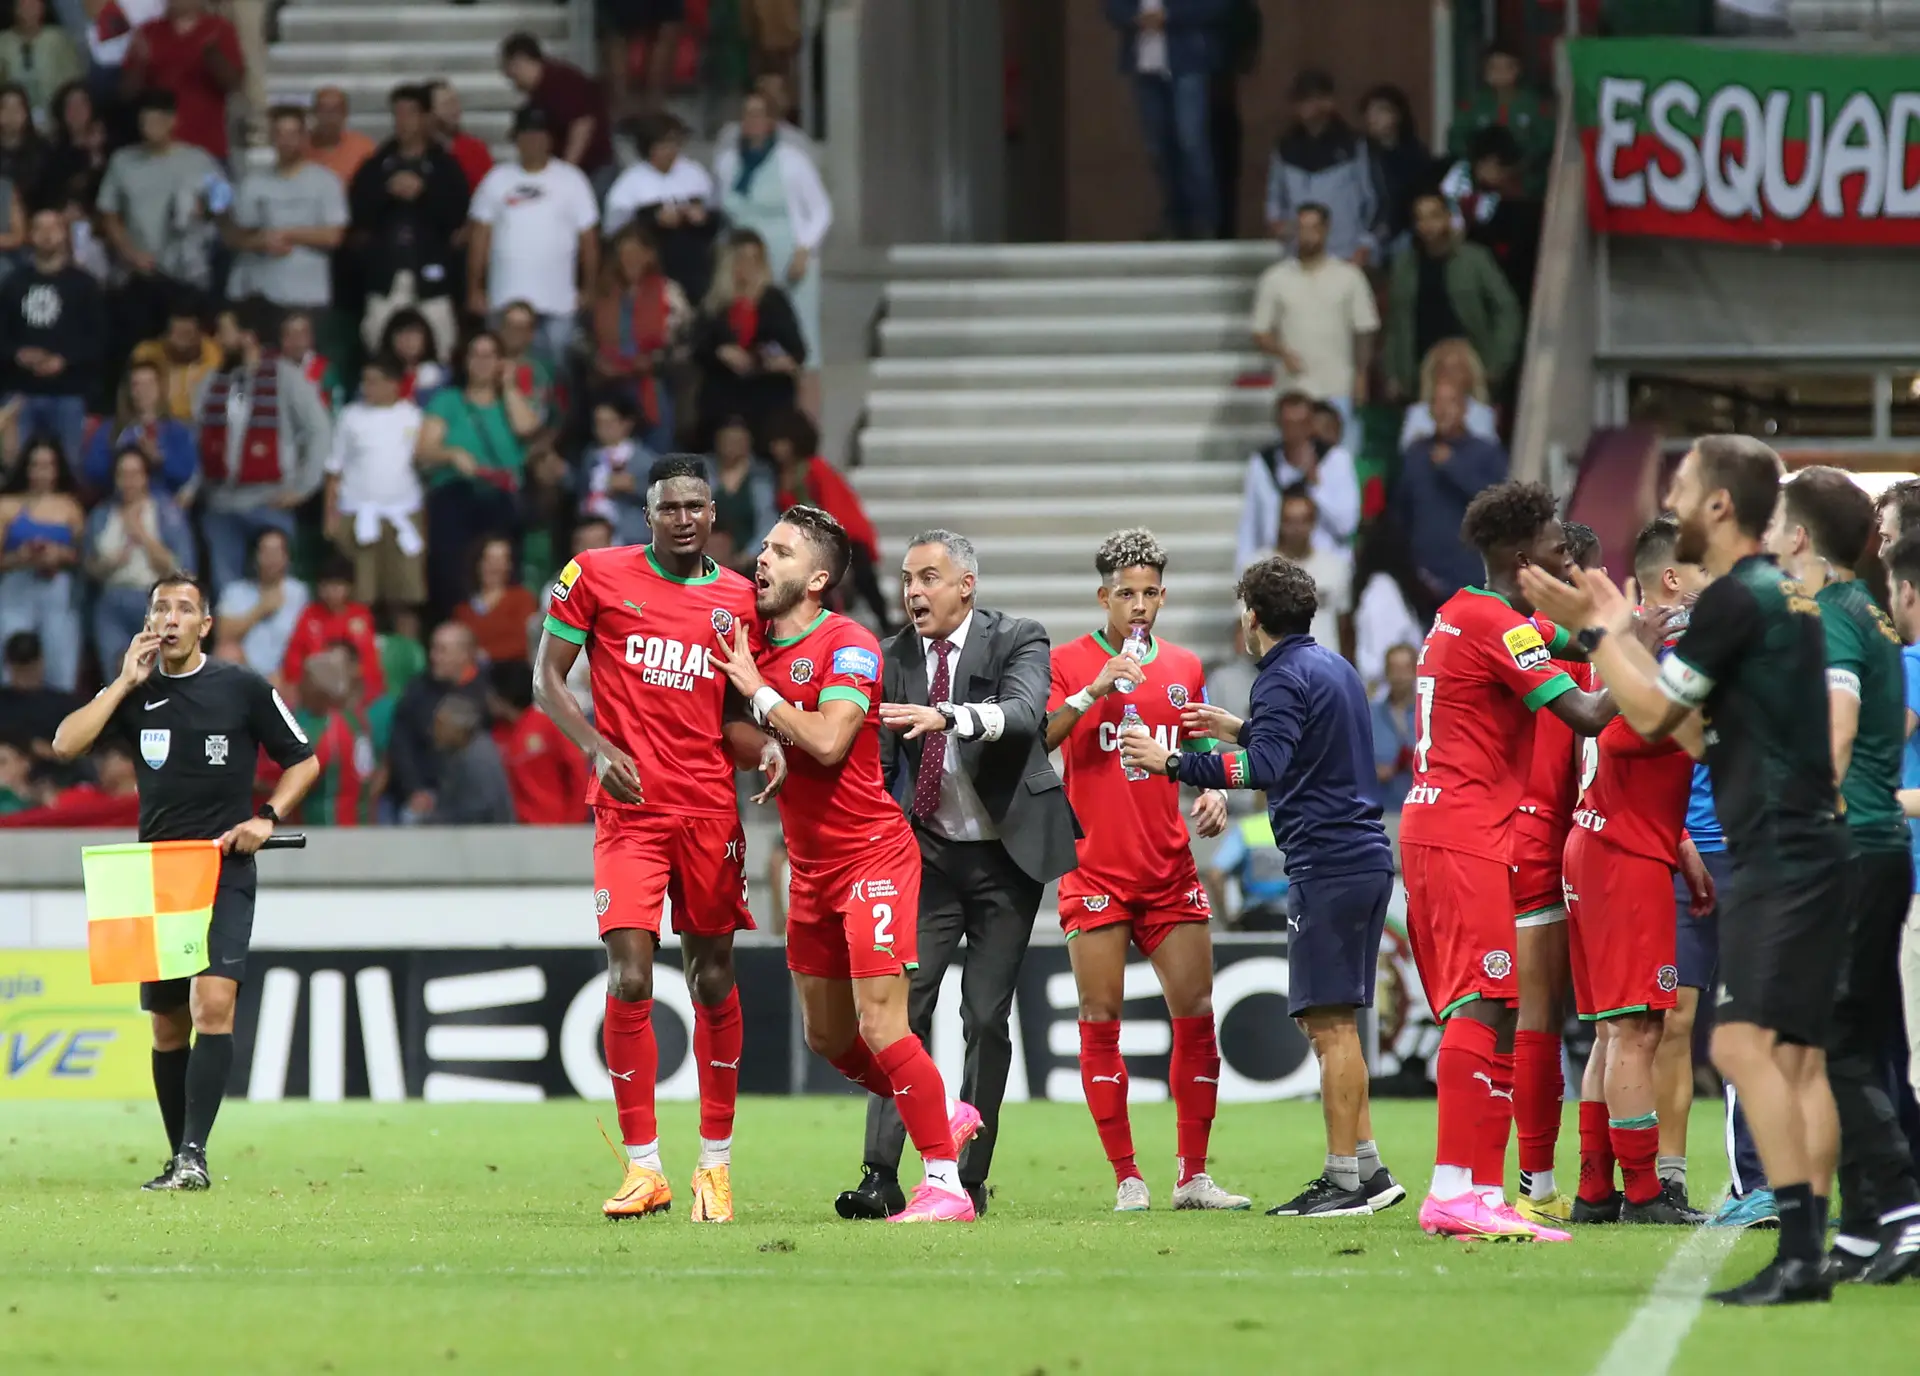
436, 1238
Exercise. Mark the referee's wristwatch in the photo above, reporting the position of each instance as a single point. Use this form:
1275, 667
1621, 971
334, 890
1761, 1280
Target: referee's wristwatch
267, 811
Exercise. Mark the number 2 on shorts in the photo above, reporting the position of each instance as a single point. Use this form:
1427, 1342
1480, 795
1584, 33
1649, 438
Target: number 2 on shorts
883, 924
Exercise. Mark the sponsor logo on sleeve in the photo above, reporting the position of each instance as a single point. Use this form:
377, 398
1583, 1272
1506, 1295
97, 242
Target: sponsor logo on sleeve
563, 585
1526, 647
856, 662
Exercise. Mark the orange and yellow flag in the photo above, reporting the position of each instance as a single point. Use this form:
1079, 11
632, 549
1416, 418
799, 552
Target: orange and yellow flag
148, 908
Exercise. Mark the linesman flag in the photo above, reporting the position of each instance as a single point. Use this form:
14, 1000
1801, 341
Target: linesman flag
148, 909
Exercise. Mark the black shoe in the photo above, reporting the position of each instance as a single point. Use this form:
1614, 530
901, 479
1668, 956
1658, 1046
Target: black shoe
1675, 1194
1606, 1211
1899, 1254
164, 1180
1323, 1199
979, 1194
1782, 1281
1844, 1267
1382, 1190
878, 1195
187, 1171
1661, 1210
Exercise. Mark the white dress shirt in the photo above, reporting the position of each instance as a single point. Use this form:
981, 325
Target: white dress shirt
961, 816
1335, 490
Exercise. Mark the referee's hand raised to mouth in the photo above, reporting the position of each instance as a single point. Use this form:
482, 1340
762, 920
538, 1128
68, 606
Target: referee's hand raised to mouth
142, 655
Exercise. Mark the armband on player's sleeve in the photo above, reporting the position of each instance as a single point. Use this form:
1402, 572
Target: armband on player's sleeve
1845, 680
1684, 684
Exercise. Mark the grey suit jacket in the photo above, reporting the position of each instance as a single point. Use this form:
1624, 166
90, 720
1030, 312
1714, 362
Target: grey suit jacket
1005, 661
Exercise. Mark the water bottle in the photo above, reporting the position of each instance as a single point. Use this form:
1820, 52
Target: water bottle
1134, 649
1129, 721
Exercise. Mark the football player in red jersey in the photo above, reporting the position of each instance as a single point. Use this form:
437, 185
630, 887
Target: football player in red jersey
1136, 881
1540, 934
1485, 668
854, 904
666, 822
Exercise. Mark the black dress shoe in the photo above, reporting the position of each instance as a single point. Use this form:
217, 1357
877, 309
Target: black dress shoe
979, 1194
1899, 1254
1783, 1281
878, 1195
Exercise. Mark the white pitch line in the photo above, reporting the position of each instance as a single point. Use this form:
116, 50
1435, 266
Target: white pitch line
1652, 1337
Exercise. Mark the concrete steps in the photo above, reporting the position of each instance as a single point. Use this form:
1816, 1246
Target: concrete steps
945, 337
1147, 451
976, 262
1019, 482
1123, 372
1020, 299
1089, 406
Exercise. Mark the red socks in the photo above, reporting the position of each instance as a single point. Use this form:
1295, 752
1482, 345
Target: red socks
1638, 1147
716, 1054
1464, 1072
920, 1097
858, 1065
1596, 1153
1194, 1070
1103, 1077
1537, 1093
633, 1060
1496, 1126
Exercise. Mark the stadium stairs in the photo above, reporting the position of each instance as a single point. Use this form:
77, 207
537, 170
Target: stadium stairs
1037, 397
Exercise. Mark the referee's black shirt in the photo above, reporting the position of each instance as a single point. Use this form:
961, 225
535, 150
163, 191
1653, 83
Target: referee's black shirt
197, 736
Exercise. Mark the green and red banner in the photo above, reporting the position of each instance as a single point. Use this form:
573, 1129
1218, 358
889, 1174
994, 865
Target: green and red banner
1749, 145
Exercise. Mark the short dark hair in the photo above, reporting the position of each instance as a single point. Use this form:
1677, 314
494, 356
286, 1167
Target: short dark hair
670, 466
1299, 492
1904, 498
620, 403
1902, 561
1134, 548
832, 549
521, 44
512, 679
1310, 82
335, 568
1583, 544
1653, 548
276, 113
1312, 208
1293, 396
23, 648
1280, 594
182, 578
387, 365
1506, 516
793, 426
1748, 471
1496, 141
1837, 514
157, 98
411, 92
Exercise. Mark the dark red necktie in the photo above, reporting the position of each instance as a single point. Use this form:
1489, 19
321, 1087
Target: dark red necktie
933, 746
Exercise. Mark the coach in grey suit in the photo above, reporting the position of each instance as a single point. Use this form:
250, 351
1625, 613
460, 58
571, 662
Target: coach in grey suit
964, 712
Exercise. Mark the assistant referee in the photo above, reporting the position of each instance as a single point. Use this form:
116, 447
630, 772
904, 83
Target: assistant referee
200, 724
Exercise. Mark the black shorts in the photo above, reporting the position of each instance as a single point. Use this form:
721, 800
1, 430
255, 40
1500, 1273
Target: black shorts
228, 937
1696, 947
1334, 927
1783, 936
1867, 1007
632, 18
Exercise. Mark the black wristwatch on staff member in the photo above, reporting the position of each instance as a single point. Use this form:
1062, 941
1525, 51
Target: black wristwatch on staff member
1172, 767
267, 811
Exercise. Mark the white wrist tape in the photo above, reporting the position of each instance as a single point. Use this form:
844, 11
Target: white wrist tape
764, 701
1082, 701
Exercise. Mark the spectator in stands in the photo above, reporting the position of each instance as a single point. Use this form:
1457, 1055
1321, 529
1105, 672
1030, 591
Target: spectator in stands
1402, 164
748, 341
773, 30
408, 203
1501, 212
571, 105
157, 206
332, 617
18, 792
109, 38
473, 451
1394, 605
184, 355
473, 788
550, 506
806, 478
523, 364
264, 437
1327, 474
616, 465
113, 800
287, 220
772, 190
334, 143
77, 146
140, 421
23, 153
53, 331
374, 500
774, 88
670, 197
473, 155
1314, 315
1322, 161
348, 741
589, 532
533, 238
1439, 476
38, 56
297, 347
40, 528
547, 774
1454, 361
408, 339
1503, 102
452, 668
257, 616
134, 538
29, 705
1330, 566
743, 497
654, 24
192, 54
499, 607
1394, 730
640, 316
1171, 50
1447, 289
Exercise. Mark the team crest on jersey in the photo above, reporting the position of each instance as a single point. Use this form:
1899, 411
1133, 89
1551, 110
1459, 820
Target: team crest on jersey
1526, 646
1669, 979
802, 671
602, 900
216, 749
723, 620
1177, 695
154, 745
1096, 903
1497, 964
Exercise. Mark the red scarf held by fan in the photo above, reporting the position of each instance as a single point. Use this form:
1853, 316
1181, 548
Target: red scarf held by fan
260, 447
743, 317
645, 308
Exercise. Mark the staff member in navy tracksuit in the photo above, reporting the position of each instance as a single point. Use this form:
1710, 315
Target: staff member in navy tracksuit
1309, 744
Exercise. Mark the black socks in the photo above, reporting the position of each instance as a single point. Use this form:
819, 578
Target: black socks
170, 1088
206, 1080
1800, 1237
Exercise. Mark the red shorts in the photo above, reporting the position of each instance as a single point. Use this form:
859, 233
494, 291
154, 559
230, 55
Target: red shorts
860, 918
1621, 930
1536, 853
643, 859
1147, 921
1460, 922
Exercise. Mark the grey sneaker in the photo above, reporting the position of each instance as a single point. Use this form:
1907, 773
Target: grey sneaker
1201, 1193
1131, 1197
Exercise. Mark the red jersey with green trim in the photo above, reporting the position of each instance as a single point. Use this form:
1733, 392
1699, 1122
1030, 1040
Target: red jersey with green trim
1484, 669
1553, 781
1634, 792
832, 813
1136, 844
649, 639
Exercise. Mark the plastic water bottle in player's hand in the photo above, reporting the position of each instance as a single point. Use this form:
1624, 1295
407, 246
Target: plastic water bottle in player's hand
1130, 721
1134, 649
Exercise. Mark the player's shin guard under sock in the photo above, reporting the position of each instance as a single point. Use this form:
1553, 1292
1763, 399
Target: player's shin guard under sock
1464, 1073
1538, 1090
716, 1051
859, 1066
1636, 1142
633, 1060
1800, 1240
1194, 1069
170, 1089
1596, 1153
208, 1071
1103, 1077
1496, 1127
920, 1096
